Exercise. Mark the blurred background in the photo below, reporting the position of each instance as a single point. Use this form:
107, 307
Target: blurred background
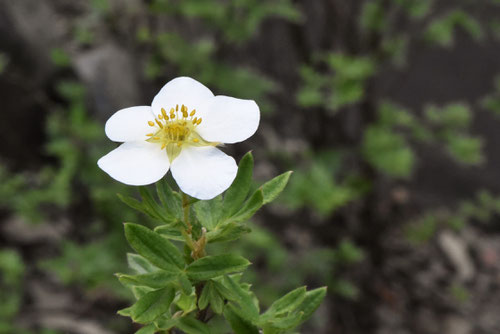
387, 111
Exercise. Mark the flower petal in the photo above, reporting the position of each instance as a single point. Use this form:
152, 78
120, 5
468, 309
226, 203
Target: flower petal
181, 90
203, 172
228, 120
136, 163
129, 124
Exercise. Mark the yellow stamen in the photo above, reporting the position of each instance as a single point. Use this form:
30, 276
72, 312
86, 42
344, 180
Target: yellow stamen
192, 113
159, 124
198, 121
194, 120
164, 113
196, 140
151, 123
163, 146
149, 135
156, 138
160, 116
176, 107
184, 113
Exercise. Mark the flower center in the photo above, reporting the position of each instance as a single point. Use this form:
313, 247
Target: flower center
176, 129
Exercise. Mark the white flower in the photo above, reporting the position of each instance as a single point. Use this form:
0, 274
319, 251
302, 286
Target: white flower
180, 132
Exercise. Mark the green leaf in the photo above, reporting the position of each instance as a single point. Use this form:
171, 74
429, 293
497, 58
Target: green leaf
238, 191
311, 302
192, 326
274, 187
223, 291
285, 304
152, 305
216, 301
187, 303
228, 232
185, 284
158, 250
169, 199
208, 212
165, 323
205, 296
247, 309
139, 264
169, 232
158, 279
150, 203
238, 324
216, 265
149, 329
135, 204
251, 206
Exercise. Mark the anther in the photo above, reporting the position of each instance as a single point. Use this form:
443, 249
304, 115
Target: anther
159, 124
149, 135
151, 123
160, 116
164, 113
176, 107
195, 119
196, 140
156, 138
198, 121
184, 113
163, 146
192, 113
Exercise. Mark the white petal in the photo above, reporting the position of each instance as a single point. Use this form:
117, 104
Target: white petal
129, 124
136, 163
228, 120
182, 90
203, 172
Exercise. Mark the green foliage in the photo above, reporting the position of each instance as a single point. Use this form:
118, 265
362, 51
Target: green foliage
236, 20
169, 287
11, 277
480, 209
344, 86
441, 30
60, 57
317, 186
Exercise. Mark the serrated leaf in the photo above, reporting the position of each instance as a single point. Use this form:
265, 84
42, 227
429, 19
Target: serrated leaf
274, 187
209, 212
285, 304
139, 264
169, 200
158, 250
192, 326
152, 305
158, 279
311, 302
238, 324
169, 232
251, 206
228, 232
216, 265
238, 191
247, 309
